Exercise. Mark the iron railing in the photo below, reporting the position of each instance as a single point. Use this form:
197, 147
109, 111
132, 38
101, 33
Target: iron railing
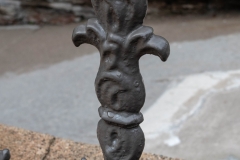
121, 39
5, 155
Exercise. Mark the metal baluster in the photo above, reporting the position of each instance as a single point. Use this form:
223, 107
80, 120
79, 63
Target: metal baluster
121, 39
5, 155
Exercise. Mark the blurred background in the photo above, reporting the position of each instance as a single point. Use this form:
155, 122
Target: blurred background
192, 108
68, 11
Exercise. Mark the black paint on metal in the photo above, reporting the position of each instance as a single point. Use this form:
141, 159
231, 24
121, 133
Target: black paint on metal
122, 40
5, 155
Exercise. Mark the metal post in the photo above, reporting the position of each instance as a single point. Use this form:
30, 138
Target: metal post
121, 39
5, 155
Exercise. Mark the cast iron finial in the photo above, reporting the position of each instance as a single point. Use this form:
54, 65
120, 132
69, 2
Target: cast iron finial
121, 39
5, 155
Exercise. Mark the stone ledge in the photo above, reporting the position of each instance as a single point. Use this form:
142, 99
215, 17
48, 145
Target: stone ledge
26, 145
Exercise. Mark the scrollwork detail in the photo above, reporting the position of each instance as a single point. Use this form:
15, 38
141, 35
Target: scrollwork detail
122, 40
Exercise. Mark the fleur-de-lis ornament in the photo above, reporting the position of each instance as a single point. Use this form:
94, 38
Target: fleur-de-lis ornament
121, 39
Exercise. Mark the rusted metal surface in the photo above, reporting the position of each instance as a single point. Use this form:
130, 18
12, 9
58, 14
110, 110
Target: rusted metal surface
5, 155
122, 40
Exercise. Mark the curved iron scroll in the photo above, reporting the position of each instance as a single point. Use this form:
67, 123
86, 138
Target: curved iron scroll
121, 39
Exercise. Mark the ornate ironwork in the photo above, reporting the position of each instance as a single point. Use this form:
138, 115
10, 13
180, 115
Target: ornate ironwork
5, 155
121, 39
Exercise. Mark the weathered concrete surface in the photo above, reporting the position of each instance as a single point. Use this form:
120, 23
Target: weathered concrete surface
200, 115
217, 132
27, 145
23, 49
